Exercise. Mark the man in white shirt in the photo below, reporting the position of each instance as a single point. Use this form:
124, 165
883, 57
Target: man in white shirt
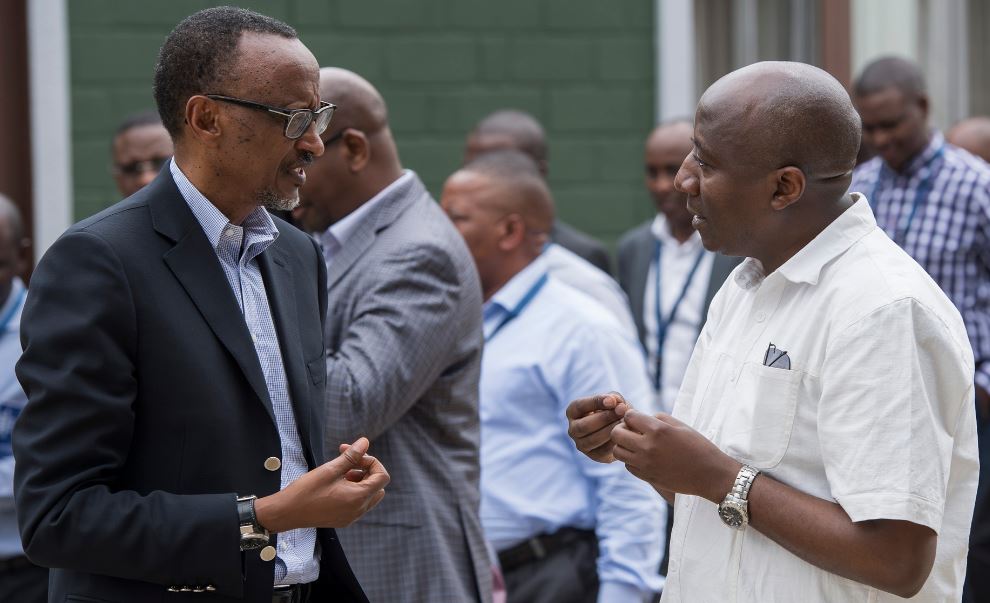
828, 407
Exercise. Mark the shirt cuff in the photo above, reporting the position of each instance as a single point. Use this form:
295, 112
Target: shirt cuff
893, 505
620, 592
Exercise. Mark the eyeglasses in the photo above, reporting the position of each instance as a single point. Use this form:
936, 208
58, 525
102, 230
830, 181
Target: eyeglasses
137, 168
296, 120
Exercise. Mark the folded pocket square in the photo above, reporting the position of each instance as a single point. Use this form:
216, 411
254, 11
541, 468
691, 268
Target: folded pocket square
776, 358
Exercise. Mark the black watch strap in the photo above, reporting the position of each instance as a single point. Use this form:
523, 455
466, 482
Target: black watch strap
253, 535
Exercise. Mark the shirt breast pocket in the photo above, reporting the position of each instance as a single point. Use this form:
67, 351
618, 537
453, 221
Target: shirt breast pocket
760, 419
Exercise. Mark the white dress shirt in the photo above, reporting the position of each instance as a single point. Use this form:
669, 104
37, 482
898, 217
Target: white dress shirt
875, 413
560, 346
575, 271
676, 261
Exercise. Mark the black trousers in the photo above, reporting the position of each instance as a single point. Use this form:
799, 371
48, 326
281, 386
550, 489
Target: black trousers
23, 582
568, 574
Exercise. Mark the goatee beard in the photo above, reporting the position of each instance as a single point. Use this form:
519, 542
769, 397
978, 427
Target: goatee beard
270, 200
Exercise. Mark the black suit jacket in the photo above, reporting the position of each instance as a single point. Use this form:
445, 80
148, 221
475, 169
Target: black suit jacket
636, 249
148, 411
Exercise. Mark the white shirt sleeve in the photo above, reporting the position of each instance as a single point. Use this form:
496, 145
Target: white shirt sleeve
894, 385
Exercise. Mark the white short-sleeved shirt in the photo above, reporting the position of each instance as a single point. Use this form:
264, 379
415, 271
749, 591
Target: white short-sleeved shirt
875, 413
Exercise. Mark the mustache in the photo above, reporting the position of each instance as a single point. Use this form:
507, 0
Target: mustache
306, 158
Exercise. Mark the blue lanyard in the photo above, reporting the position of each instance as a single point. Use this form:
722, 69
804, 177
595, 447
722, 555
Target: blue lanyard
513, 313
664, 323
920, 196
13, 310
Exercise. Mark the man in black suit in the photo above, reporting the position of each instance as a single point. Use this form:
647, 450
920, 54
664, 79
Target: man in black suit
513, 129
171, 362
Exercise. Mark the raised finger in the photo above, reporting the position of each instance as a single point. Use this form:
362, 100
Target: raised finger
589, 424
583, 406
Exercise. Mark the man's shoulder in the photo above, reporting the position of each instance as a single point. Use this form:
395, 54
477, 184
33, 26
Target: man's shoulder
878, 274
421, 229
967, 167
635, 237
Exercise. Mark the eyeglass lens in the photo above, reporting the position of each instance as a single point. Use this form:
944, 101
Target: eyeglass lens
300, 121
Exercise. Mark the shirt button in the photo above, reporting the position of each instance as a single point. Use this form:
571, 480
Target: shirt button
272, 463
761, 316
254, 338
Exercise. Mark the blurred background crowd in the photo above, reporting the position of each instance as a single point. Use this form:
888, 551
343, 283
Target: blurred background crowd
582, 109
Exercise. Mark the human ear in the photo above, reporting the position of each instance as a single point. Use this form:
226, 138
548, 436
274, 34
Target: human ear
202, 118
790, 184
513, 232
358, 149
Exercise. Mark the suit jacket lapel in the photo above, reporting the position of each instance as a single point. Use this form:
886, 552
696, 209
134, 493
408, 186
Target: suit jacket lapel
196, 266
282, 300
640, 268
386, 212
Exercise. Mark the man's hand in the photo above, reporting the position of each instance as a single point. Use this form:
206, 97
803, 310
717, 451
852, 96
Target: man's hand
672, 457
590, 422
333, 495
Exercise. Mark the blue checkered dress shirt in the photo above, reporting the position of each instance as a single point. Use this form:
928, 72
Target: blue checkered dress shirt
938, 210
237, 248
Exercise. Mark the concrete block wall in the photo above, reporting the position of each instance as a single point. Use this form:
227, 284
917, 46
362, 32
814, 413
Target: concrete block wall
585, 68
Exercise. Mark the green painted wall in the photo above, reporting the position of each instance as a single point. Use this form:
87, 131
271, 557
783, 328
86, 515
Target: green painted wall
583, 67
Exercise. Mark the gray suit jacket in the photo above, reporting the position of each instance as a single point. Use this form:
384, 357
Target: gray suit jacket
404, 340
636, 249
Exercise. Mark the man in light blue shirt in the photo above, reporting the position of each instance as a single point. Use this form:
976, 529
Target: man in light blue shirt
565, 529
20, 580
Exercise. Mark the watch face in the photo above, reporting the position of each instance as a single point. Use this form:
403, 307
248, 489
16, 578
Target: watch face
731, 516
253, 541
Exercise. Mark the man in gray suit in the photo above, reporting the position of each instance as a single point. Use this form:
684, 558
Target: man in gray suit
404, 341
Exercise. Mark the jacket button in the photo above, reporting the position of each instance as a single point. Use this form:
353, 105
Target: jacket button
272, 463
267, 553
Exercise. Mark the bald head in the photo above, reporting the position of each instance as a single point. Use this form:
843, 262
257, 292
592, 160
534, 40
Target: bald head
509, 129
786, 114
521, 187
11, 224
359, 105
360, 157
972, 134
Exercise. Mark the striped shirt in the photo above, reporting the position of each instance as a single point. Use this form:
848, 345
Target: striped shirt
238, 247
938, 210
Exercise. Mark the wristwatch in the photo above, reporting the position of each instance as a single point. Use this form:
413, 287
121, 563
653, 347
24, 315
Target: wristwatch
253, 536
734, 509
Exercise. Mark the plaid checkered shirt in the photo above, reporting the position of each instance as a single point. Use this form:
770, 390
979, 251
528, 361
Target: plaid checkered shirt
938, 210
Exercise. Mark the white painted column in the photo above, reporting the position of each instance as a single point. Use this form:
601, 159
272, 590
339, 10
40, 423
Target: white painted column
945, 58
882, 28
51, 133
676, 89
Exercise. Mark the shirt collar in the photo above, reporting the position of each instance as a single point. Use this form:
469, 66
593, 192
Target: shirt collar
342, 230
515, 290
920, 160
259, 228
661, 232
856, 222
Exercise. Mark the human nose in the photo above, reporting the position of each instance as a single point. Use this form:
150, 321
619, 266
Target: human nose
310, 141
686, 181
